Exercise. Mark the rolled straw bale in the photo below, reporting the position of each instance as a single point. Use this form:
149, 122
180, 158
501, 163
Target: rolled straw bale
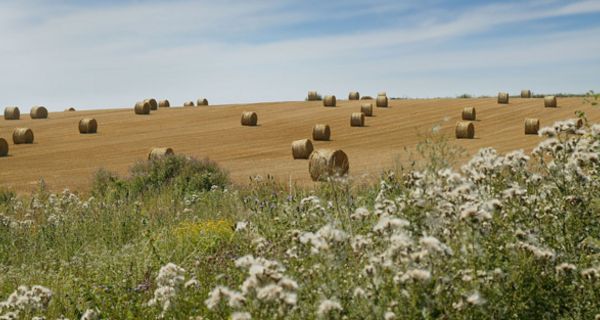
3, 148
468, 113
188, 104
357, 119
249, 118
550, 102
12, 113
38, 112
381, 101
366, 98
532, 126
88, 125
312, 96
301, 149
354, 95
465, 130
525, 93
164, 104
367, 109
202, 102
153, 103
503, 98
157, 153
70, 109
142, 107
326, 163
382, 93
22, 135
321, 132
329, 101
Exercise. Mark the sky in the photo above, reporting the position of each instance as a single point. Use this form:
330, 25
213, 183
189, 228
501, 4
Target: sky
108, 54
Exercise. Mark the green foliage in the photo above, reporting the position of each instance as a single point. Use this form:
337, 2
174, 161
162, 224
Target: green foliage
592, 98
465, 96
506, 237
184, 175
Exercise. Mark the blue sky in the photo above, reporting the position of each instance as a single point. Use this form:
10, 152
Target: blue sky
103, 54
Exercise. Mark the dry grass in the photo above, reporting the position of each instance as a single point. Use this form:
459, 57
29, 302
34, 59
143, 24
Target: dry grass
216, 133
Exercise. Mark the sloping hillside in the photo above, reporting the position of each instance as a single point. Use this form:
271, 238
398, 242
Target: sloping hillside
65, 158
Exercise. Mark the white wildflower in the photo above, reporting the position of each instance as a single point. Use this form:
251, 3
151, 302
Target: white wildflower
327, 306
241, 316
91, 314
475, 299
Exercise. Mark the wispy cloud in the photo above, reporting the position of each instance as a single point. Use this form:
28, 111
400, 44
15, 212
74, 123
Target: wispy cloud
236, 51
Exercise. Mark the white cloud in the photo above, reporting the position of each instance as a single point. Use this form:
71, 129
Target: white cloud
113, 55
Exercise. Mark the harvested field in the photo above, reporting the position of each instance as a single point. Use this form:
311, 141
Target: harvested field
216, 133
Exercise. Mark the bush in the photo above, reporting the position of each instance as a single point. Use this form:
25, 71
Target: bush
182, 174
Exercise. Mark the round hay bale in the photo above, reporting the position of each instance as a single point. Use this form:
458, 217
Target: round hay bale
38, 112
188, 104
153, 103
503, 98
367, 109
142, 107
312, 96
366, 98
12, 113
532, 126
353, 95
468, 113
465, 130
525, 93
381, 101
301, 149
329, 101
3, 148
326, 163
357, 119
249, 118
157, 153
88, 125
164, 104
202, 102
69, 109
321, 132
550, 102
22, 135
382, 93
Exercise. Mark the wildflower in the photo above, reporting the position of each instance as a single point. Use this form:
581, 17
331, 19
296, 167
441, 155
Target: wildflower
169, 279
241, 226
433, 244
269, 292
475, 299
359, 293
91, 314
327, 306
389, 315
241, 316
388, 223
192, 283
417, 275
590, 273
360, 213
565, 268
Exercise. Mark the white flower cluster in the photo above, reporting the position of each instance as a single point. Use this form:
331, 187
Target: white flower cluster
169, 281
266, 283
25, 300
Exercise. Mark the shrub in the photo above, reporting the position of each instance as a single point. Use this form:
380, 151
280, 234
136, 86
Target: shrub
182, 174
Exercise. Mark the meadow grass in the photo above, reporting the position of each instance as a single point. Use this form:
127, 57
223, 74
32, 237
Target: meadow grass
510, 236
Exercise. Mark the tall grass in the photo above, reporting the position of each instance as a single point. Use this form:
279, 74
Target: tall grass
505, 236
